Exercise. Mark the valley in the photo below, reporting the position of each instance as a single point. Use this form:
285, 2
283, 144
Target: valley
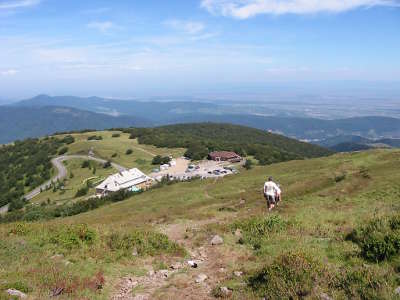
142, 247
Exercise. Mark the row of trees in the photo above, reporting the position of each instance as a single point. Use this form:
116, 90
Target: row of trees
25, 165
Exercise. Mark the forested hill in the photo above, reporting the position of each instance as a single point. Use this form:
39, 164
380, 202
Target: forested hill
25, 122
200, 138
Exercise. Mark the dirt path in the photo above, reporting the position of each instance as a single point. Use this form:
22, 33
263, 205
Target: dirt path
179, 281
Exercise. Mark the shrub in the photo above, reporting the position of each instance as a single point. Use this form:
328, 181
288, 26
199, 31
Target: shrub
379, 239
145, 242
364, 282
68, 139
339, 178
255, 230
248, 164
82, 192
107, 164
290, 276
129, 152
95, 138
73, 236
159, 160
85, 164
114, 155
116, 135
63, 150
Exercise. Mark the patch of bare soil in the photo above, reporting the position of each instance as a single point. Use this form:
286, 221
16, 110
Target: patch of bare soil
191, 278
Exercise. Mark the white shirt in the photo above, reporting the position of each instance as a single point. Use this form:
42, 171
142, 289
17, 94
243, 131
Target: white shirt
270, 188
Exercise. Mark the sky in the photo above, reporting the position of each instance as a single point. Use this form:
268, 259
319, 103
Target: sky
135, 48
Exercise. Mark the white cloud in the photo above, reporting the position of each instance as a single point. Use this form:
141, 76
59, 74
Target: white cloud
188, 27
243, 9
9, 72
8, 5
103, 27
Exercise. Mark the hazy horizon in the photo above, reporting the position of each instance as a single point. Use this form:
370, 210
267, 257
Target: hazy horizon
199, 48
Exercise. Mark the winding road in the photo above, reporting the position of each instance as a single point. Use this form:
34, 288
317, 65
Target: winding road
57, 162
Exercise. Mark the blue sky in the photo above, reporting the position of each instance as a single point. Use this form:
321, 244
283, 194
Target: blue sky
133, 48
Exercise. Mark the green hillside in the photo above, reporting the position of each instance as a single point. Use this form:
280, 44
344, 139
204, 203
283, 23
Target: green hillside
335, 234
200, 138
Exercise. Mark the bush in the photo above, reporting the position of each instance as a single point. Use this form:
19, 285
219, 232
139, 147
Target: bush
107, 164
290, 276
379, 239
82, 192
95, 138
129, 152
116, 135
364, 282
63, 150
255, 230
159, 160
114, 155
73, 236
85, 164
248, 164
145, 242
68, 139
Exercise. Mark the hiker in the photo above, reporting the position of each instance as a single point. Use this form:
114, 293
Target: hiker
271, 190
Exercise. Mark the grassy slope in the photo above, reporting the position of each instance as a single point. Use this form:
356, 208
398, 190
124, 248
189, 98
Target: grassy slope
141, 156
322, 210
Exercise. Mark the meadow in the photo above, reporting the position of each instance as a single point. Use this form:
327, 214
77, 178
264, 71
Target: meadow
308, 248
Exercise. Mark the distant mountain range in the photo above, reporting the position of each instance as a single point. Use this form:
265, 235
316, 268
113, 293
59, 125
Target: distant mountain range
23, 122
348, 143
45, 115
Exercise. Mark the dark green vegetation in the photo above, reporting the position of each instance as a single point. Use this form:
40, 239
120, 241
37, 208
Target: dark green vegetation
379, 239
349, 147
200, 139
47, 212
25, 165
159, 160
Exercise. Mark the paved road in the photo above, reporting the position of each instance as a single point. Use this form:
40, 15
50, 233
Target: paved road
61, 174
62, 171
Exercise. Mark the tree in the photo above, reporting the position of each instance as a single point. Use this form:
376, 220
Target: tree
63, 150
248, 164
157, 160
85, 164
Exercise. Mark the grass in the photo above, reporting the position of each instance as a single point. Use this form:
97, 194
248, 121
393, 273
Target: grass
308, 229
115, 148
78, 181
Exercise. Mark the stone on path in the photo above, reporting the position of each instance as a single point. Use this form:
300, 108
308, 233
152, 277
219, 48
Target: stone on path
16, 293
217, 240
201, 278
192, 263
324, 296
225, 291
238, 273
397, 290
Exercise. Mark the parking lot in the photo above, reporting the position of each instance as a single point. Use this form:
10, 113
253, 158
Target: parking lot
185, 170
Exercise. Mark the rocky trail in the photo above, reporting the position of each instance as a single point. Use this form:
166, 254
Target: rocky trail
190, 278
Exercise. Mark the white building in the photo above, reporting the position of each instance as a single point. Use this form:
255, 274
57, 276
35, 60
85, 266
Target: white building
131, 180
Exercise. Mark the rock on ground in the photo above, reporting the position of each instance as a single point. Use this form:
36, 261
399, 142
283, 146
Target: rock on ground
225, 291
201, 278
397, 290
16, 293
324, 296
217, 240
